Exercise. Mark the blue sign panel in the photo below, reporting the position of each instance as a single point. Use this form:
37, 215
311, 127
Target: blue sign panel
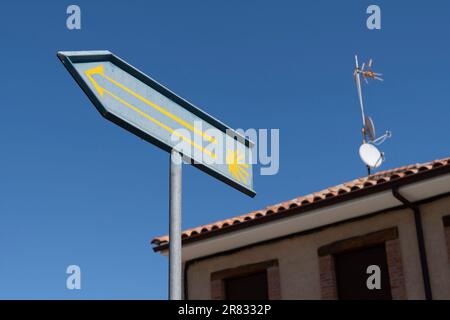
134, 101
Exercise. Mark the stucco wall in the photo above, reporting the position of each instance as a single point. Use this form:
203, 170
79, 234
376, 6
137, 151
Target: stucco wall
436, 246
298, 259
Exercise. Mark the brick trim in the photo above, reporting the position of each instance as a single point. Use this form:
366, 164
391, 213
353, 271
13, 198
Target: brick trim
395, 269
217, 290
328, 285
358, 242
327, 270
273, 282
273, 278
447, 235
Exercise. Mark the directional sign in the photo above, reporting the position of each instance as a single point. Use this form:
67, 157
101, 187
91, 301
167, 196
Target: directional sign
139, 104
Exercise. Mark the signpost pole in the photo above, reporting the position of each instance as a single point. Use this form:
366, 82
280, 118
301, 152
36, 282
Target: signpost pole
175, 264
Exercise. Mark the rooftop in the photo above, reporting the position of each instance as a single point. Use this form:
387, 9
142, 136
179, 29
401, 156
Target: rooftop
372, 183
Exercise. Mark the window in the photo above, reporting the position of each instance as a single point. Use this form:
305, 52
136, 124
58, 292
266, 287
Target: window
343, 266
351, 275
247, 287
258, 281
446, 221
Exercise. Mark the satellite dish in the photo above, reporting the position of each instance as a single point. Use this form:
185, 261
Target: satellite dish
369, 128
370, 155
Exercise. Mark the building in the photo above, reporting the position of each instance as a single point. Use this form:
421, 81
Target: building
319, 246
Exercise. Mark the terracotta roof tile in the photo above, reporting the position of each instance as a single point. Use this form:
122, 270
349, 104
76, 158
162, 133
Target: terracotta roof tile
333, 192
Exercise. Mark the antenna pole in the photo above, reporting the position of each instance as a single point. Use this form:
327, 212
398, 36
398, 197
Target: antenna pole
358, 87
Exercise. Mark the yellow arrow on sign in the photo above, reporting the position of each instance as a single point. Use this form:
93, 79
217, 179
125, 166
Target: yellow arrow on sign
101, 91
100, 71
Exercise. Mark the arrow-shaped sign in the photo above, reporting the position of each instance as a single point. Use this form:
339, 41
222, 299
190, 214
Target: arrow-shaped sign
142, 106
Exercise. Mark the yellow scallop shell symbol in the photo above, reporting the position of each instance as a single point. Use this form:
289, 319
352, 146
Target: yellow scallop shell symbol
236, 166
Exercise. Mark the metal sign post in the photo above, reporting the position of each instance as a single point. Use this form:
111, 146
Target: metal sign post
142, 106
175, 262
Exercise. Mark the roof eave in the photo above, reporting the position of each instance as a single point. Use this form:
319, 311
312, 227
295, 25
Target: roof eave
327, 202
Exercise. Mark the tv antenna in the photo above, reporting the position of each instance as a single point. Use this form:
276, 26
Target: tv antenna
369, 153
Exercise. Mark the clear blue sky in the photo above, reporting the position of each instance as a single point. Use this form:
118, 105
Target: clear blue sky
76, 189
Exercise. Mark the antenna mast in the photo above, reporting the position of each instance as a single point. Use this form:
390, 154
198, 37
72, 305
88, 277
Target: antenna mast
370, 155
357, 76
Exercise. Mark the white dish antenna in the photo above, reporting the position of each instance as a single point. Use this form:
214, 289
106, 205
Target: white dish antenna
371, 156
